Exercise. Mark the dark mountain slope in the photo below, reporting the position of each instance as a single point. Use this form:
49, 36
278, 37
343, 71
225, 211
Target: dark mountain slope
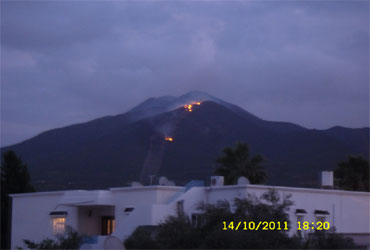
293, 159
114, 150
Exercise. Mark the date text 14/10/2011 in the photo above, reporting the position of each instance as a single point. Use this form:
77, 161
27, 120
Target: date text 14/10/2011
274, 225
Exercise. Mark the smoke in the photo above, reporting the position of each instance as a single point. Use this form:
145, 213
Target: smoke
166, 129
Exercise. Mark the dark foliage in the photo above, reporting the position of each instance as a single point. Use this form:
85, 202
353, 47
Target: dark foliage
353, 174
238, 162
14, 179
69, 240
14, 175
142, 238
178, 232
328, 240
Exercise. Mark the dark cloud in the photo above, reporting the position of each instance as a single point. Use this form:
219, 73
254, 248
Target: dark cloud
67, 62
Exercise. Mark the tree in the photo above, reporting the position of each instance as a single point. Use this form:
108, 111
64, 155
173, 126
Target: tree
353, 174
268, 207
237, 162
142, 238
14, 174
69, 240
14, 179
178, 232
328, 240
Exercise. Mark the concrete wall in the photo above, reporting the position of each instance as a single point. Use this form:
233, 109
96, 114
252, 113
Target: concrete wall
31, 219
144, 200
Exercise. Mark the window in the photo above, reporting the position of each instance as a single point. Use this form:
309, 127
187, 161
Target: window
321, 215
197, 220
300, 213
58, 221
59, 224
180, 207
300, 218
320, 218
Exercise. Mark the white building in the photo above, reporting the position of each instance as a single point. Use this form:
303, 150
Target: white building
115, 213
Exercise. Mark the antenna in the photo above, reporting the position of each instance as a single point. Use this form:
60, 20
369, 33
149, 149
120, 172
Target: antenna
151, 179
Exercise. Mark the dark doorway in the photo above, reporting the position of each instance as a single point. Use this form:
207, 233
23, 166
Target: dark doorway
107, 225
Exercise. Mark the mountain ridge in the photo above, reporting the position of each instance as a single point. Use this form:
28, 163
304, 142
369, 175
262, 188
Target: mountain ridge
114, 150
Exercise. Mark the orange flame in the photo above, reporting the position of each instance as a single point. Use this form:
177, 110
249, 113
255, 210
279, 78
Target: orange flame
167, 138
189, 107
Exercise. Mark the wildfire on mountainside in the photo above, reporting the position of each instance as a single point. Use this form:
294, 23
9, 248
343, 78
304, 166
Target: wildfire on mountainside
189, 107
168, 138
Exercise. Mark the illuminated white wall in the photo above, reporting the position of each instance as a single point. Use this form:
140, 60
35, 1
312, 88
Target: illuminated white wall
348, 211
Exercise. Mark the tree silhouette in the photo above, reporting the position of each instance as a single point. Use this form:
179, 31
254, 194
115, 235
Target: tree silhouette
14, 179
353, 174
237, 162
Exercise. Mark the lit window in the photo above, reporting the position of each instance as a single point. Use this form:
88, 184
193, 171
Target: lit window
59, 224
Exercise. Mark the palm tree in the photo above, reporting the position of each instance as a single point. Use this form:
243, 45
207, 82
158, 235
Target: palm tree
236, 162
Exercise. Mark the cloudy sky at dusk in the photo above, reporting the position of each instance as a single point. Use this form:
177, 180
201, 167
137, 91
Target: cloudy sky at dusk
64, 62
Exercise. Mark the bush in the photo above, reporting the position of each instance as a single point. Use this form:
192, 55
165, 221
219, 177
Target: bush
142, 238
177, 232
69, 240
328, 240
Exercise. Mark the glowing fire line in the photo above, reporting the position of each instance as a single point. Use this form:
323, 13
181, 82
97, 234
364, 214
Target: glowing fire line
189, 107
167, 138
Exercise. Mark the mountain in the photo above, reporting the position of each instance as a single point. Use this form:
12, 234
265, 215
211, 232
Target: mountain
114, 150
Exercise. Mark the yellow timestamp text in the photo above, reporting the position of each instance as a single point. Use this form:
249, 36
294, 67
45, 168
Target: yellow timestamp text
252, 225
318, 225
273, 225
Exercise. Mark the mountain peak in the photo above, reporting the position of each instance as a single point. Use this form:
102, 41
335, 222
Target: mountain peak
197, 94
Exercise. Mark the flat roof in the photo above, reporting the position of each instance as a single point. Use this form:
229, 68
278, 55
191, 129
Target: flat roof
117, 189
294, 189
179, 188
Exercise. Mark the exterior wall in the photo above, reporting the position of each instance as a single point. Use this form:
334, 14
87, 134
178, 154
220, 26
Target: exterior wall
348, 211
31, 219
144, 200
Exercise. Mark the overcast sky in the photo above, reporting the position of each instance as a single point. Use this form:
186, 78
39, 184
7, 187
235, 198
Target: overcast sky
64, 62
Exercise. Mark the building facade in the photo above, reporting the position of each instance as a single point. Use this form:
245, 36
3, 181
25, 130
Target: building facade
110, 216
